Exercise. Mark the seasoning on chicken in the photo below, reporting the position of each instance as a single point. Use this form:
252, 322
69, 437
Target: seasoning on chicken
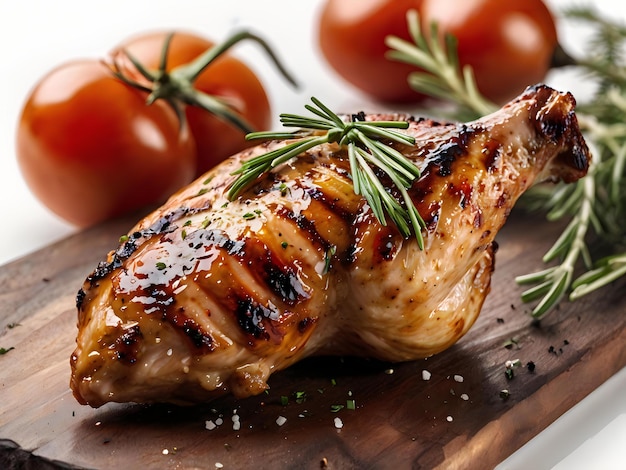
208, 296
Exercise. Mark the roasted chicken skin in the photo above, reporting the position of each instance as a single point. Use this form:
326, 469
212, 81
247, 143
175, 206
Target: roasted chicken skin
208, 296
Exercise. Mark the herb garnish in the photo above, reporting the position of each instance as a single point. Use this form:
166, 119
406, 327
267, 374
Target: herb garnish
5, 350
328, 257
442, 77
365, 143
595, 204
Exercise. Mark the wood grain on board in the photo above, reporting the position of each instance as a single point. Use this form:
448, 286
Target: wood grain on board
457, 418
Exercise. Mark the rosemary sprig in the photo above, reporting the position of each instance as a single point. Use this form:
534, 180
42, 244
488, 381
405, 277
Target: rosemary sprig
367, 151
596, 204
552, 284
442, 76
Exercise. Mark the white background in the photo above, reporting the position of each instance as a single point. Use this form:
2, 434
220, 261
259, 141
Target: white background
36, 36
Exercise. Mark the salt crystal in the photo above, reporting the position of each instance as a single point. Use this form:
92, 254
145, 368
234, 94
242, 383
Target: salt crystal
338, 423
449, 419
210, 425
426, 375
465, 396
458, 378
281, 420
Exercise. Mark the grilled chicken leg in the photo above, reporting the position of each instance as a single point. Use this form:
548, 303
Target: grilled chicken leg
208, 296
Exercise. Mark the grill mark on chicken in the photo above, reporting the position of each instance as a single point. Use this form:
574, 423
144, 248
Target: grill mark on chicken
218, 239
126, 249
492, 152
80, 297
202, 340
331, 203
162, 303
285, 283
246, 296
305, 225
279, 277
386, 245
305, 324
445, 155
127, 345
251, 317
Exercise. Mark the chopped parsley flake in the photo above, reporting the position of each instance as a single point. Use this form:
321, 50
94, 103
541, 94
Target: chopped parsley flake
328, 258
300, 397
283, 189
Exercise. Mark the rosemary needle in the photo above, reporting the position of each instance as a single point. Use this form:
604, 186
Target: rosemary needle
366, 148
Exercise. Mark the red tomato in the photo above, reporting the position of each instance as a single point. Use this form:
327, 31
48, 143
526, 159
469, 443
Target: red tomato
352, 39
90, 149
508, 43
226, 77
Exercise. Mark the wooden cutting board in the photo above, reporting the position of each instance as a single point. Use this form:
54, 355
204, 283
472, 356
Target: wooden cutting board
456, 419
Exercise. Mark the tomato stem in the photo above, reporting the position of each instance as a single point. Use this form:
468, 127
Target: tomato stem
561, 58
164, 50
190, 72
176, 86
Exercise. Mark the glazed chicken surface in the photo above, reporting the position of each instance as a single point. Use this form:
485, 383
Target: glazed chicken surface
208, 296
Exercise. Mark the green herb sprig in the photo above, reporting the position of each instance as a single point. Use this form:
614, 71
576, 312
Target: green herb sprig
367, 150
595, 204
442, 76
